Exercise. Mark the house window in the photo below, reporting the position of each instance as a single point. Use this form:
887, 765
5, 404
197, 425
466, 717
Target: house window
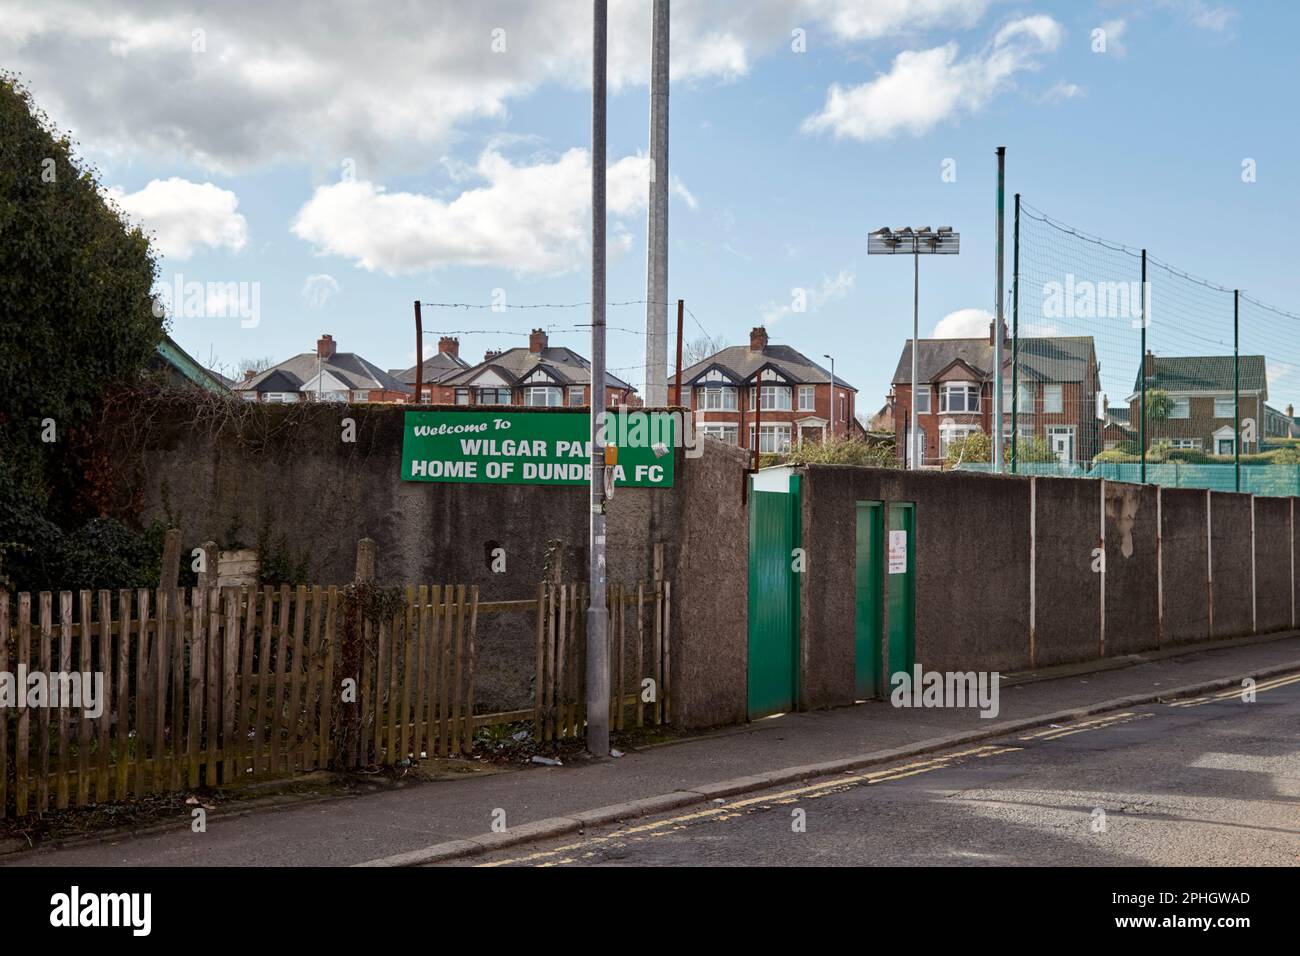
959, 397
1181, 409
494, 396
773, 439
776, 398
462, 396
281, 398
250, 396
1026, 404
333, 395
923, 400
1186, 444
575, 395
728, 433
949, 434
1224, 446
807, 398
844, 408
1225, 408
1053, 401
717, 398
542, 396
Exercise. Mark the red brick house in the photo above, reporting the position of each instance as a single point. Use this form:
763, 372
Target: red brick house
796, 396
538, 376
437, 369
325, 375
1059, 386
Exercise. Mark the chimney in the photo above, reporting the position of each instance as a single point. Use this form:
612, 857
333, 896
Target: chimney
1290, 411
1105, 405
325, 347
449, 345
537, 341
250, 374
1149, 365
757, 338
1006, 334
490, 354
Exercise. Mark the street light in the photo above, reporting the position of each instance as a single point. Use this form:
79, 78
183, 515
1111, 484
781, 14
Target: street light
832, 358
906, 241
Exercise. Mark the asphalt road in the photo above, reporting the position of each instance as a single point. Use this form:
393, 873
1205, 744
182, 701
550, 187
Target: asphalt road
1209, 781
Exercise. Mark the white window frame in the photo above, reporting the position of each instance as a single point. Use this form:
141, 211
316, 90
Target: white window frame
950, 433
1232, 408
1184, 444
463, 396
968, 390
1026, 404
726, 433
1053, 399
775, 398
922, 399
807, 398
717, 398
769, 442
552, 396
1182, 408
575, 395
281, 398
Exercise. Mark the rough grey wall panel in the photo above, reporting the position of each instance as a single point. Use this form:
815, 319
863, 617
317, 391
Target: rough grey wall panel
1131, 601
1273, 563
1069, 591
1185, 568
1230, 514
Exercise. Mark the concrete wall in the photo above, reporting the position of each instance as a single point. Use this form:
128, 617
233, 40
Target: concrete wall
282, 475
973, 569
1273, 564
1185, 556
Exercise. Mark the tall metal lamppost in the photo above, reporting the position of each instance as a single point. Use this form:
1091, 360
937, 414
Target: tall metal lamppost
914, 242
832, 358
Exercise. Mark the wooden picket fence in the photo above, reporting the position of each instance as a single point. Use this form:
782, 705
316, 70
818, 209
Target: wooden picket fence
223, 686
216, 687
639, 657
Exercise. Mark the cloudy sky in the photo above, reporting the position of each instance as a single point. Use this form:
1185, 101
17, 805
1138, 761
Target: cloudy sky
349, 158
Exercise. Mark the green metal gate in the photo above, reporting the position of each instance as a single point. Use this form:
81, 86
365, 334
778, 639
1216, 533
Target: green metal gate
868, 606
773, 599
902, 586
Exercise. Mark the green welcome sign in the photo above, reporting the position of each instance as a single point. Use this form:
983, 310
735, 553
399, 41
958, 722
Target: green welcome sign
535, 448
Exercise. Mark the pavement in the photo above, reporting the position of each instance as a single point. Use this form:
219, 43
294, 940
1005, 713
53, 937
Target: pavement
415, 824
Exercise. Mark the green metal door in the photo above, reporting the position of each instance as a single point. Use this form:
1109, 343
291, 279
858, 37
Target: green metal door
868, 609
901, 565
773, 600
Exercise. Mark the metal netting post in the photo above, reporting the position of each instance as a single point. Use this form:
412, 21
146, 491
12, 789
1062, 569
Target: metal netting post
1015, 336
1236, 388
1142, 374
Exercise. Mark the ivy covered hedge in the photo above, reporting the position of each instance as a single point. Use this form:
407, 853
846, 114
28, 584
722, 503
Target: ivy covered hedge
76, 319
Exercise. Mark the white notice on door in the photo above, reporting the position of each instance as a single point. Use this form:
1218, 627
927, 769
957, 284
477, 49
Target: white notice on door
898, 552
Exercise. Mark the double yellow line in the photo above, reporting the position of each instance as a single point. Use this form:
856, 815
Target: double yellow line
565, 854
1231, 692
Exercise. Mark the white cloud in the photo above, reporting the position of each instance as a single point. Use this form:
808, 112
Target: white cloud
1063, 91
185, 216
319, 289
1114, 36
963, 324
530, 219
926, 87
378, 84
832, 289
